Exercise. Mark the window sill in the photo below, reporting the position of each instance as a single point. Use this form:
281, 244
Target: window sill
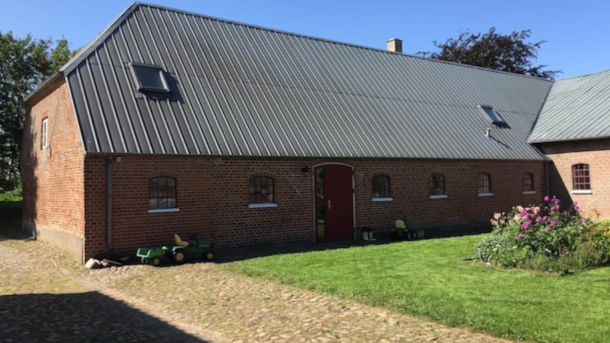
485, 194
263, 205
582, 191
382, 199
439, 196
529, 192
164, 210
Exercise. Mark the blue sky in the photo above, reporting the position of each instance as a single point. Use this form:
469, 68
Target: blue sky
577, 32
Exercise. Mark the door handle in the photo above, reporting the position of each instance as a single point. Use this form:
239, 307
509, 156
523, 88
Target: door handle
329, 205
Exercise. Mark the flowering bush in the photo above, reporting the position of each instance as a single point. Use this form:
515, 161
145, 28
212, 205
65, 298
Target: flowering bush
544, 237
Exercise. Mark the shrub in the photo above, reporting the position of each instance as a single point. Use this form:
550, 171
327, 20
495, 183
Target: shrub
488, 247
542, 237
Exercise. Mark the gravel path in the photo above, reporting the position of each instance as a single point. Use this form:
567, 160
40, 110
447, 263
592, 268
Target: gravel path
46, 297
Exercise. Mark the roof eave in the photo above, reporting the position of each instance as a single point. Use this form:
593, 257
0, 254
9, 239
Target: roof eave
567, 140
42, 86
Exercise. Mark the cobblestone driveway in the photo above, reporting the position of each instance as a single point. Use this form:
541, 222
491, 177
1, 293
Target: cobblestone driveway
44, 296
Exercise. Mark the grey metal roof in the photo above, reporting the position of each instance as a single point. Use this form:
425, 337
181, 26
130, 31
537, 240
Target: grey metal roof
576, 108
241, 90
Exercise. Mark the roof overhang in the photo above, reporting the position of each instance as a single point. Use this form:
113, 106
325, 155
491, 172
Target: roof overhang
43, 86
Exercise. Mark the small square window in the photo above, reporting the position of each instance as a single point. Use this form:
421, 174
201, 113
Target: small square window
162, 193
149, 77
381, 186
484, 184
581, 177
261, 190
438, 185
45, 133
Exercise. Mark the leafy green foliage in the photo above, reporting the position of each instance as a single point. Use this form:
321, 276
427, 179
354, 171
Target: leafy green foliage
544, 238
510, 53
489, 246
24, 64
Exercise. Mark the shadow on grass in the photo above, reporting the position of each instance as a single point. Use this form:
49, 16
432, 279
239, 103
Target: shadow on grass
227, 255
80, 317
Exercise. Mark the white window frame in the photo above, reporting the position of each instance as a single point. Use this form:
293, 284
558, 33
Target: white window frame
45, 133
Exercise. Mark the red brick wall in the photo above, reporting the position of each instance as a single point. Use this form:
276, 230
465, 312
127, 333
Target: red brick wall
596, 153
53, 177
213, 197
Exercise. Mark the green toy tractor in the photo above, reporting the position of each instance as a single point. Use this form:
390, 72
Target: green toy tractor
179, 252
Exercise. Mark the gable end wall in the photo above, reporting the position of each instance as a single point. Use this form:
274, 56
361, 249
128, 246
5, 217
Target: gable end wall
53, 193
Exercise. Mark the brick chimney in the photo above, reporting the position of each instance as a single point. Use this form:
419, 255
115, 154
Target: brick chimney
394, 45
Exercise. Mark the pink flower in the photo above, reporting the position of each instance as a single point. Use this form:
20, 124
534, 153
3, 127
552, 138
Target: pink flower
493, 222
546, 198
538, 219
576, 208
524, 213
535, 209
555, 201
521, 236
497, 216
545, 218
526, 225
548, 229
553, 209
553, 222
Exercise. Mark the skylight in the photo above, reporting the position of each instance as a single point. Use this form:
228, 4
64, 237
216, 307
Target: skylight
149, 77
489, 112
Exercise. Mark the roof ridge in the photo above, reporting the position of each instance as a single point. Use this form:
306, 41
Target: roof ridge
138, 4
584, 75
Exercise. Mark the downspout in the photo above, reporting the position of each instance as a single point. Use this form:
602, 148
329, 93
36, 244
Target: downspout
547, 178
109, 201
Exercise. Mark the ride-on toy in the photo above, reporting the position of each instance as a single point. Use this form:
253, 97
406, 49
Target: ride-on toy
179, 252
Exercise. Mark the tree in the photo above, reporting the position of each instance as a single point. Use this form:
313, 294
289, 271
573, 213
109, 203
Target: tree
492, 50
24, 64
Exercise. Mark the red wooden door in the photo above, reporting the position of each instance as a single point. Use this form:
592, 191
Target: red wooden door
334, 203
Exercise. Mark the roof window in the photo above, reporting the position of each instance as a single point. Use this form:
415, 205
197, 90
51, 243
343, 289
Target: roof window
489, 112
149, 77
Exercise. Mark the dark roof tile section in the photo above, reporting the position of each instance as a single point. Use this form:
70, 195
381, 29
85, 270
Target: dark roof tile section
576, 108
240, 90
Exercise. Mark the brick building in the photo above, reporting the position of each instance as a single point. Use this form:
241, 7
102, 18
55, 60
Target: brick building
173, 122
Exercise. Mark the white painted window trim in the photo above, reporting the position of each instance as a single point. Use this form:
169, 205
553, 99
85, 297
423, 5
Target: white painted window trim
582, 191
163, 210
529, 192
45, 133
382, 199
263, 205
485, 194
438, 196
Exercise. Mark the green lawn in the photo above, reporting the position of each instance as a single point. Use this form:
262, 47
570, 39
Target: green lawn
430, 278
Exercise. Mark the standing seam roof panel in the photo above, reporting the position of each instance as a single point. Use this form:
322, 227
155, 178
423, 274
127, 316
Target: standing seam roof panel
576, 108
238, 90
